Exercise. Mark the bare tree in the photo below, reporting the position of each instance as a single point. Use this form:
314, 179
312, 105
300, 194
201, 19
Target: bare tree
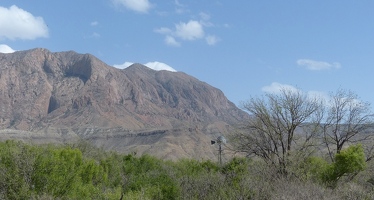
275, 123
346, 118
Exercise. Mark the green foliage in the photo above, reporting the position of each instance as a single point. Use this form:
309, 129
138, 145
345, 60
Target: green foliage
84, 172
236, 173
149, 174
315, 168
193, 168
236, 170
349, 161
206, 180
60, 172
112, 167
236, 165
92, 173
57, 171
16, 167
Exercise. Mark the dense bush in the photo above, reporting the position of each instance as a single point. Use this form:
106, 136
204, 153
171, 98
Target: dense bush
80, 171
349, 162
28, 171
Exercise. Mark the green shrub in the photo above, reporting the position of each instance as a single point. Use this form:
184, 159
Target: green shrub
16, 168
315, 168
57, 171
236, 170
349, 161
64, 172
149, 174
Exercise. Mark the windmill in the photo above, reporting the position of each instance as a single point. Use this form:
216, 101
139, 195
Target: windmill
220, 140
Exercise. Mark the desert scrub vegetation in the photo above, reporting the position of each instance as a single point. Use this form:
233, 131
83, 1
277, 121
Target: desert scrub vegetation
294, 147
81, 171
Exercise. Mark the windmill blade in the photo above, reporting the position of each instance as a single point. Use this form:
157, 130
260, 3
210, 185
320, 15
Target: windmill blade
221, 140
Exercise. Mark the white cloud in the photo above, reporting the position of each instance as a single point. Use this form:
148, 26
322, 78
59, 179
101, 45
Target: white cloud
16, 23
211, 39
152, 65
318, 94
95, 35
204, 16
159, 66
124, 65
188, 31
180, 8
6, 49
141, 6
278, 87
323, 96
169, 40
180, 11
177, 3
191, 30
205, 20
317, 65
94, 23
163, 30
328, 99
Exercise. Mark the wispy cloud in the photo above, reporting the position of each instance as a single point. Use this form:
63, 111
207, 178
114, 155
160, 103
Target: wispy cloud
317, 65
276, 87
141, 6
163, 30
211, 39
205, 19
180, 8
169, 40
124, 65
16, 23
152, 65
6, 49
94, 23
177, 3
318, 95
95, 35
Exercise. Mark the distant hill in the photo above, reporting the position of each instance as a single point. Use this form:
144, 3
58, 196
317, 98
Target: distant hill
60, 97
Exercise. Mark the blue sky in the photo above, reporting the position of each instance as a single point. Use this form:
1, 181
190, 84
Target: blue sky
243, 47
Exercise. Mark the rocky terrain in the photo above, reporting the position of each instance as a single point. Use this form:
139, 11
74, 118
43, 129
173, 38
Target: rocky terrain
65, 96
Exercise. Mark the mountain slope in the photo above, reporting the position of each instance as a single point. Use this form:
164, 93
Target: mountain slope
58, 97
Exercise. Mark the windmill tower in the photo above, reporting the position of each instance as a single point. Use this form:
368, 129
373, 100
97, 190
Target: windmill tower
220, 140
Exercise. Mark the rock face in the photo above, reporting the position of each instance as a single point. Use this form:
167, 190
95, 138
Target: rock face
58, 97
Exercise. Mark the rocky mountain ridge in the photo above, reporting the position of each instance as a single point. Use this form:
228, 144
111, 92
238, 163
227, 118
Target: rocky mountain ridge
59, 97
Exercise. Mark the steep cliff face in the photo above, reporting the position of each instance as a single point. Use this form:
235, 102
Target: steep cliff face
67, 93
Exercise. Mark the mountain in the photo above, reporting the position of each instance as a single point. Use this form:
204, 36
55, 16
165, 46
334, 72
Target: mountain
63, 96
